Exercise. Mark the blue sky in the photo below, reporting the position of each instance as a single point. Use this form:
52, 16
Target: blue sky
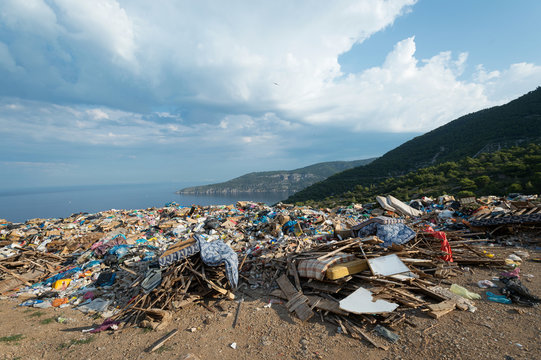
113, 91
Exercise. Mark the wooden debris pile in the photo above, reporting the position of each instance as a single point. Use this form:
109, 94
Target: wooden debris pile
182, 284
374, 294
26, 268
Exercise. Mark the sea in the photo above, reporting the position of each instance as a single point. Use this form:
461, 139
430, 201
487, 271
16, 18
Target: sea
19, 205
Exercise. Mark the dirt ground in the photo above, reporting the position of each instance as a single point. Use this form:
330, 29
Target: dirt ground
494, 331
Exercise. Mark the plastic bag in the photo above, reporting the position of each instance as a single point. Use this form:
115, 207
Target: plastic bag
465, 293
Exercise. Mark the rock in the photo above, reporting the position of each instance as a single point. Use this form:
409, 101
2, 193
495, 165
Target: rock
189, 356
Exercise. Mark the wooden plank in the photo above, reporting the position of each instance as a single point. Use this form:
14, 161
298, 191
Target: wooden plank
325, 287
301, 307
286, 286
442, 308
444, 305
426, 291
317, 302
292, 264
326, 305
355, 329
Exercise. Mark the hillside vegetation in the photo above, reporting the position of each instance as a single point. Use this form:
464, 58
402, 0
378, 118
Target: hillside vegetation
515, 123
277, 181
517, 169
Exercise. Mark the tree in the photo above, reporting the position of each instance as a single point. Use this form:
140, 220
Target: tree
515, 187
467, 184
482, 180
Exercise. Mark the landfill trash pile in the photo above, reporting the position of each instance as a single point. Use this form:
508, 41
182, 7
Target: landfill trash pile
361, 267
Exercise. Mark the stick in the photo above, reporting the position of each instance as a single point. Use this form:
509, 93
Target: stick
237, 313
18, 277
336, 251
158, 344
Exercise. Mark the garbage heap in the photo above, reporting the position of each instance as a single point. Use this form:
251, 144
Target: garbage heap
360, 267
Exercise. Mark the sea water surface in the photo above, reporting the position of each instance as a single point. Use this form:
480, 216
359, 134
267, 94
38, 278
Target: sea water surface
19, 205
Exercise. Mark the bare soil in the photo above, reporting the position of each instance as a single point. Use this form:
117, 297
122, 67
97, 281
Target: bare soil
494, 331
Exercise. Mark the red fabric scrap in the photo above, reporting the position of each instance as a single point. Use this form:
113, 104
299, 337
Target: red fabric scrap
445, 246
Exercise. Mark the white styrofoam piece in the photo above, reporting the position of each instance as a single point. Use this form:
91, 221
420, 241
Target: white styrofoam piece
362, 302
387, 265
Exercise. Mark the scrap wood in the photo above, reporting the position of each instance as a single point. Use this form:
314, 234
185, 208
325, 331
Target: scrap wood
344, 330
159, 343
318, 302
331, 288
334, 252
407, 294
355, 329
325, 304
442, 308
212, 285
237, 312
427, 291
461, 303
299, 303
292, 270
16, 276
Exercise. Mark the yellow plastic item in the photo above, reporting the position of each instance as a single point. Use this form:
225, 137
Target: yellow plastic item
512, 263
487, 254
465, 293
61, 284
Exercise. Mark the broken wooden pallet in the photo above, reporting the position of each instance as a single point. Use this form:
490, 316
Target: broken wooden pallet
297, 302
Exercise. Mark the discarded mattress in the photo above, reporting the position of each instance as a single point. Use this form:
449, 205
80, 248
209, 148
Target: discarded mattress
390, 203
384, 228
179, 251
316, 269
522, 216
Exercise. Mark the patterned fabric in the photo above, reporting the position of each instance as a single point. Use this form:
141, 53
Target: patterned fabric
217, 252
389, 233
385, 220
489, 220
179, 251
316, 269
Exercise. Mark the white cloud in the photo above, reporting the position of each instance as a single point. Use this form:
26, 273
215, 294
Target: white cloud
226, 58
97, 114
135, 53
408, 94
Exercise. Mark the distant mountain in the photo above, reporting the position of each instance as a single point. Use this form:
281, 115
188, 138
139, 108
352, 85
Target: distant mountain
277, 181
515, 123
513, 170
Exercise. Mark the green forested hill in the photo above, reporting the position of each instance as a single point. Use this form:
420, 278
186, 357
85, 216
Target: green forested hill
517, 169
275, 181
515, 123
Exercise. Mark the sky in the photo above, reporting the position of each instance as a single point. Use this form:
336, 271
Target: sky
116, 91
